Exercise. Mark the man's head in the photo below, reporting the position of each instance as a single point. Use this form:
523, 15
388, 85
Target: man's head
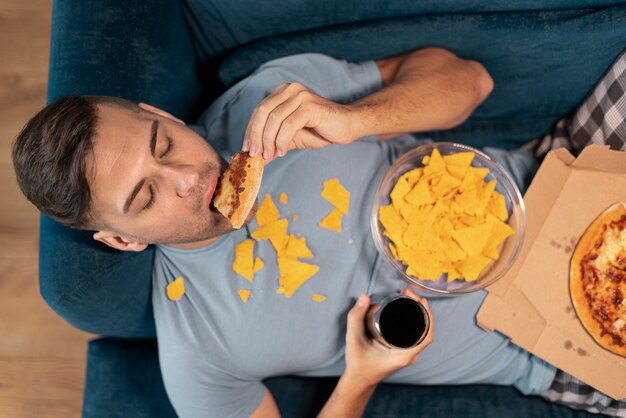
134, 173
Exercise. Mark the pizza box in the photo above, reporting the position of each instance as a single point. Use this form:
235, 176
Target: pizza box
531, 304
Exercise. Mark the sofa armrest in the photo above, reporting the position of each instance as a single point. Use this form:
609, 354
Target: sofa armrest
141, 51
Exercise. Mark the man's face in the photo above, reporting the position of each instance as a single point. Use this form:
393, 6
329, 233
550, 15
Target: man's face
153, 180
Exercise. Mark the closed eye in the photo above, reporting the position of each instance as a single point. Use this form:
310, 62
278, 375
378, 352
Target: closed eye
169, 147
151, 200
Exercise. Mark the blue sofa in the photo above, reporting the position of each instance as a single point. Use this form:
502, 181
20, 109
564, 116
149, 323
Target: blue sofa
181, 54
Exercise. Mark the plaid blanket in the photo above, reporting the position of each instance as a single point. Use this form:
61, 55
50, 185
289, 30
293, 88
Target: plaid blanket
600, 119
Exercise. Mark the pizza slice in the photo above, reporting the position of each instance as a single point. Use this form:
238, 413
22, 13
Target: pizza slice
598, 279
238, 187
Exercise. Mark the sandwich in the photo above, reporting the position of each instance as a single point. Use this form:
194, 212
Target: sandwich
238, 187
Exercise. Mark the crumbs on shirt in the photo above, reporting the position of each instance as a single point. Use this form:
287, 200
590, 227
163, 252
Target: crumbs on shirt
318, 298
244, 294
176, 289
289, 248
339, 197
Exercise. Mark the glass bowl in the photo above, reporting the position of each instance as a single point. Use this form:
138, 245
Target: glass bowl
509, 249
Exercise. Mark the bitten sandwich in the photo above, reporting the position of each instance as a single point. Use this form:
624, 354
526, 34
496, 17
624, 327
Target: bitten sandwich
238, 187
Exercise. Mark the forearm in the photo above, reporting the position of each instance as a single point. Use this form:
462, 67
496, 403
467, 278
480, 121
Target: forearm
431, 90
348, 400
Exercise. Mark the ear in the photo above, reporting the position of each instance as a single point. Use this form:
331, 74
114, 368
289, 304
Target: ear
160, 112
119, 243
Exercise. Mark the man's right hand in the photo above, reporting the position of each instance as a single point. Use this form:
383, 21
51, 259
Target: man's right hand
368, 362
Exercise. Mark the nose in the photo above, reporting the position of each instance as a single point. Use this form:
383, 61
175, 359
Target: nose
185, 178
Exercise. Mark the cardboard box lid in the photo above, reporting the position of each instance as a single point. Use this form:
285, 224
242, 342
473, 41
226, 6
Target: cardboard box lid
531, 304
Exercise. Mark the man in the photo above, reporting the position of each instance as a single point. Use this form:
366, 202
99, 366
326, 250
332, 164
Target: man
138, 176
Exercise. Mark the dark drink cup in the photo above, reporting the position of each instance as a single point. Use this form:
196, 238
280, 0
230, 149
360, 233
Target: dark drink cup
401, 322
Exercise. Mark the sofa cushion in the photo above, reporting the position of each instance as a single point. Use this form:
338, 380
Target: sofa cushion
124, 380
219, 26
543, 63
93, 287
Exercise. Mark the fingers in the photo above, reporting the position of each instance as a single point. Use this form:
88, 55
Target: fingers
407, 291
290, 126
253, 138
254, 130
280, 117
356, 319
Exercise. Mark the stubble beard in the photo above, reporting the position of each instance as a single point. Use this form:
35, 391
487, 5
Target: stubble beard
199, 229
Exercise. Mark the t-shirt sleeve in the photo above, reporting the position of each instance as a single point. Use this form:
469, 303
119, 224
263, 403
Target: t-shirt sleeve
198, 389
225, 122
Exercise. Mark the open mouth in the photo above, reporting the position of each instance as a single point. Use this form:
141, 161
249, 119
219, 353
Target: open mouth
211, 192
218, 183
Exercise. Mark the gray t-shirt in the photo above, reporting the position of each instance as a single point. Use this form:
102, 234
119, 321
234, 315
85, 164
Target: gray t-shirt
215, 350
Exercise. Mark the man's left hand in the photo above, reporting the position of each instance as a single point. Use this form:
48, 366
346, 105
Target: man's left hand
293, 117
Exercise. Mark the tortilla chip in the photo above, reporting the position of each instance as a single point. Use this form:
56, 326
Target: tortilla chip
332, 221
412, 176
420, 194
275, 231
411, 213
472, 266
423, 266
453, 251
472, 239
267, 212
283, 198
499, 231
435, 163
453, 274
389, 216
244, 259
497, 206
337, 195
446, 185
258, 265
244, 294
491, 251
457, 172
297, 248
472, 220
318, 298
400, 190
459, 159
176, 289
293, 274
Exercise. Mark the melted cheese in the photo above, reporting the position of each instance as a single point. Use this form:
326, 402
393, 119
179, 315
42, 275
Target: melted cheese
614, 244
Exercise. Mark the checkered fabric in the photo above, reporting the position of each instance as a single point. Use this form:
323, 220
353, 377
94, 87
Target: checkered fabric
600, 119
571, 392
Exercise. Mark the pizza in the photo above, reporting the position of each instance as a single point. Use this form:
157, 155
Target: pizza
598, 279
238, 187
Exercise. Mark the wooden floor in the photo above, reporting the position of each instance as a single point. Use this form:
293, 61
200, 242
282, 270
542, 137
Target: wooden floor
42, 359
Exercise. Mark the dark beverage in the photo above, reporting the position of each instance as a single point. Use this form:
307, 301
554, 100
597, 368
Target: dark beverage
403, 322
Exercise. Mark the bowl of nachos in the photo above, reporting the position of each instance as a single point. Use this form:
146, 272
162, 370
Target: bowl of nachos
448, 218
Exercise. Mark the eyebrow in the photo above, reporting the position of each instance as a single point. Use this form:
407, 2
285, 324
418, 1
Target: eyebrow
153, 137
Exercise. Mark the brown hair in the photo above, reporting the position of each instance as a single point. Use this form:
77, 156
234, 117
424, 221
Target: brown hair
49, 156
